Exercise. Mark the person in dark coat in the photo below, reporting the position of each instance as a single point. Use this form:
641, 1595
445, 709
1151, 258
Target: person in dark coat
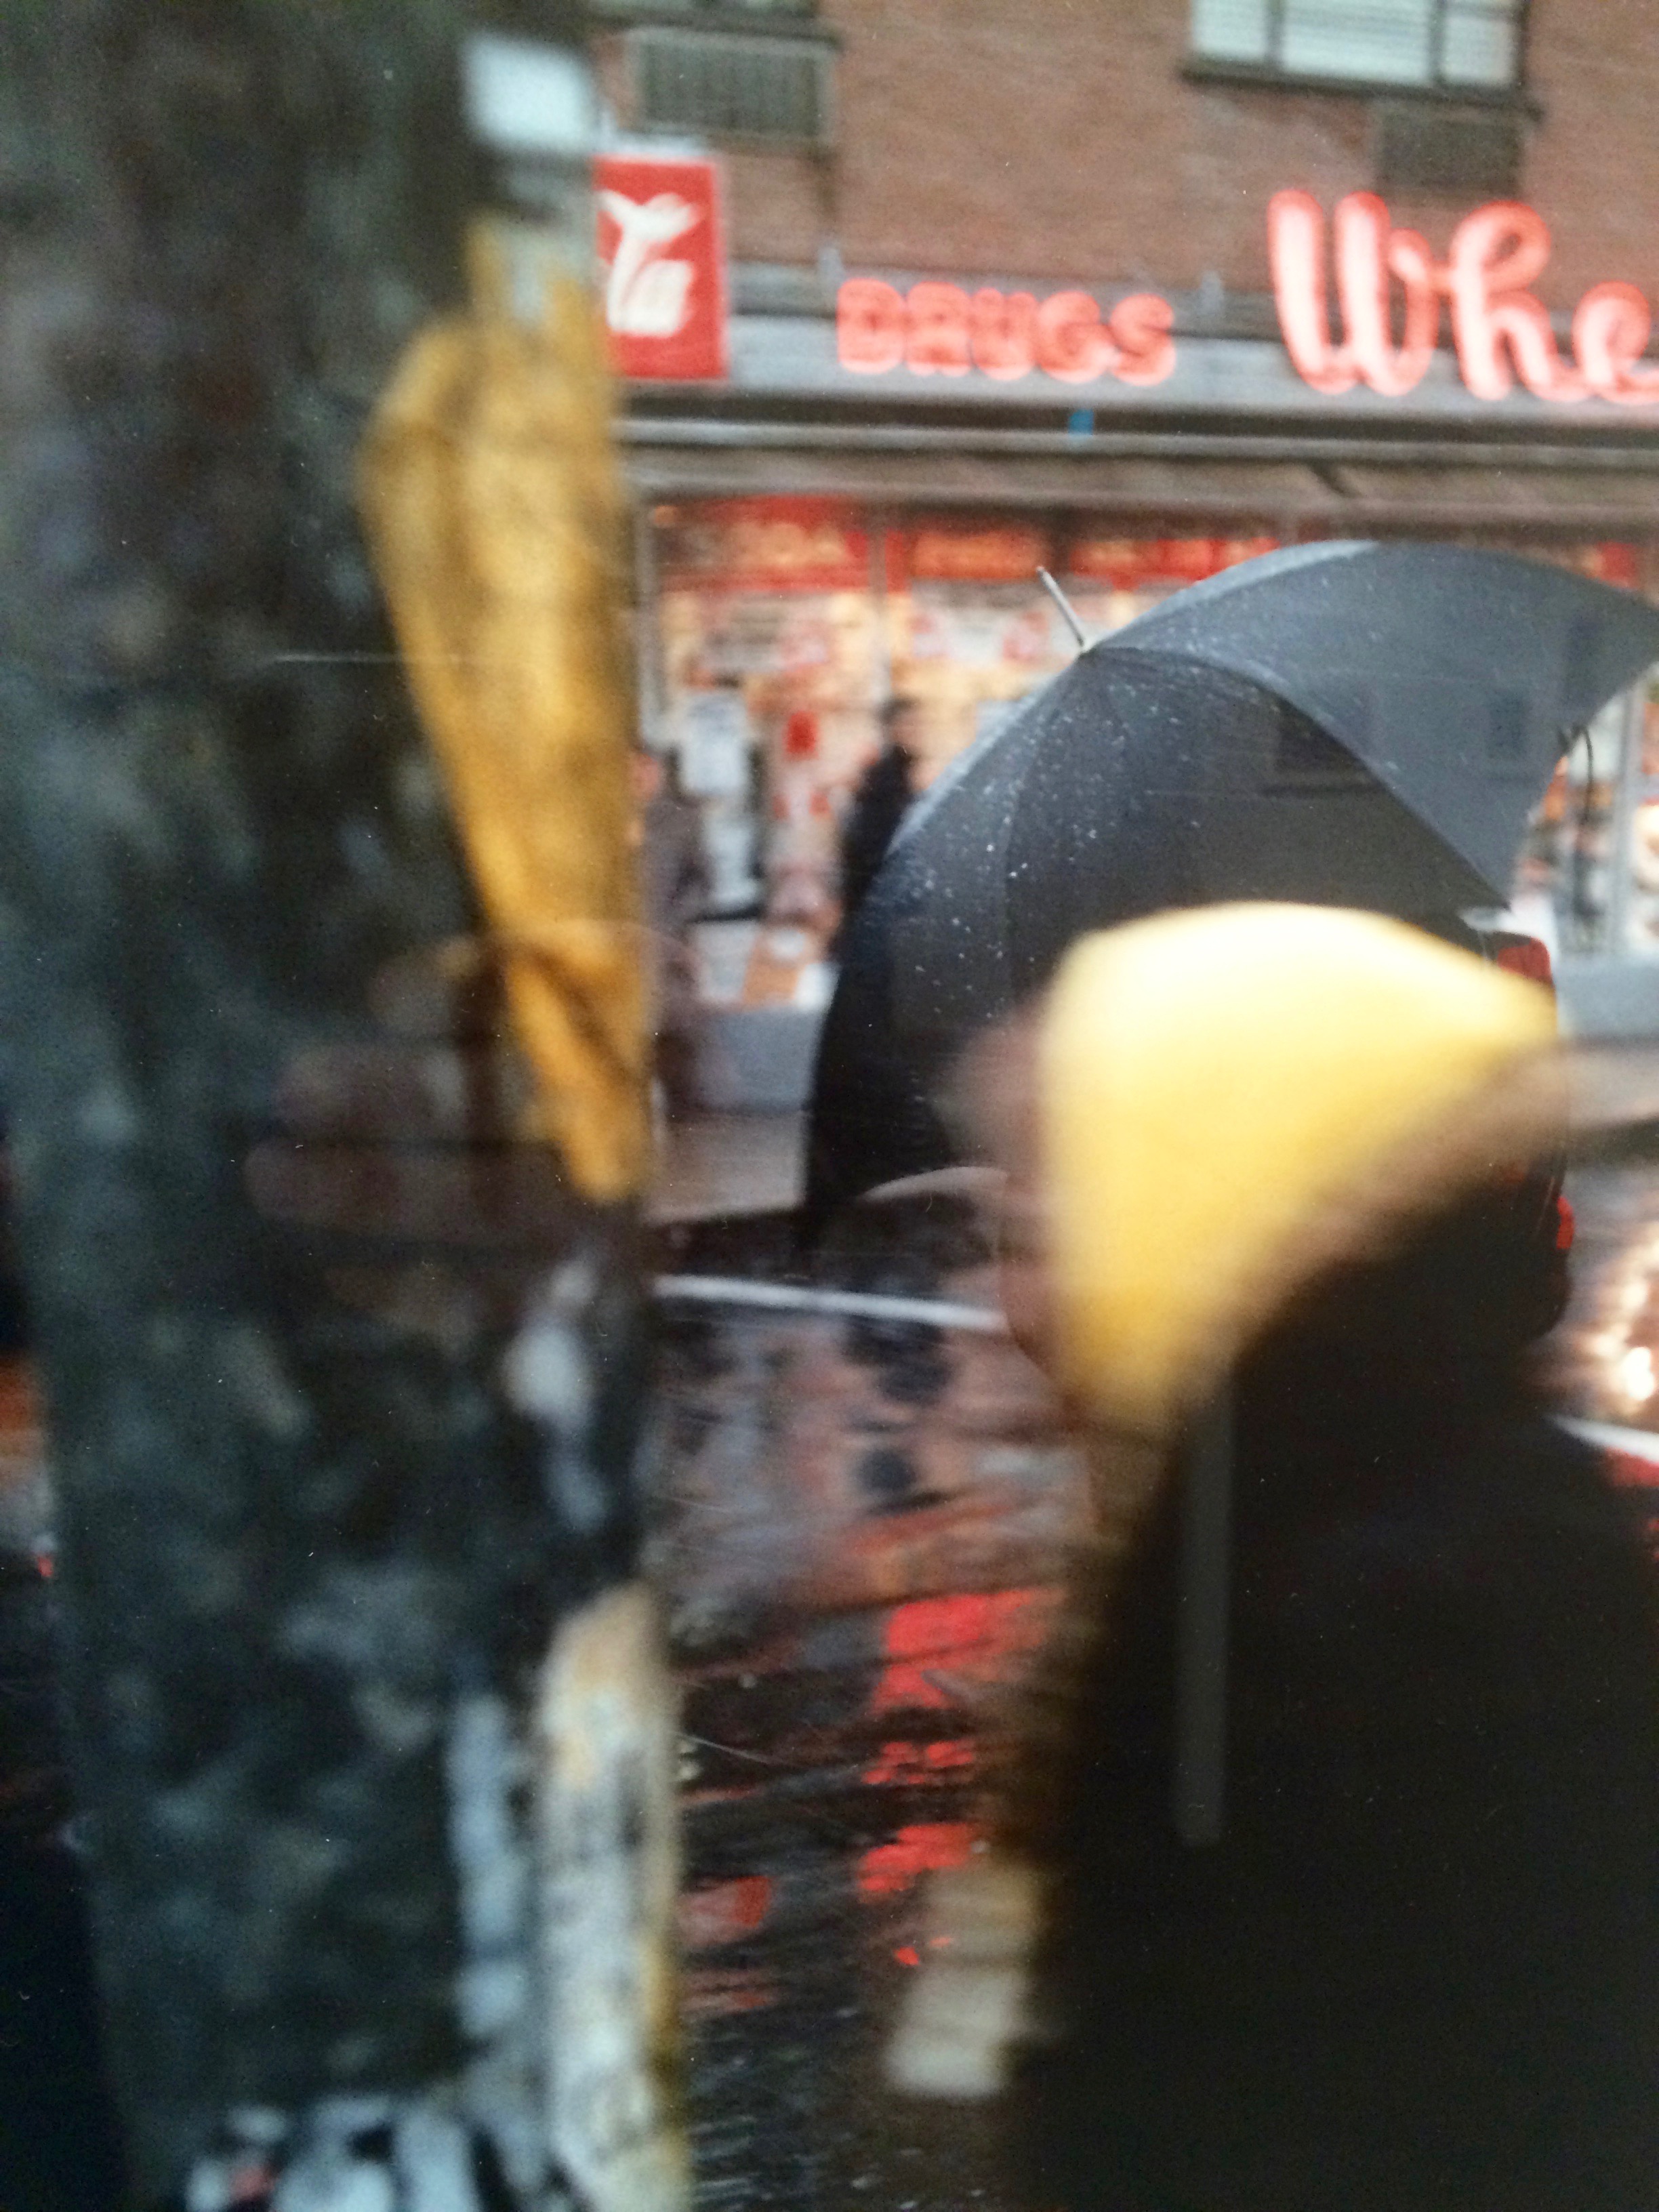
674, 885
1400, 1951
879, 805
1419, 1971
1325, 1875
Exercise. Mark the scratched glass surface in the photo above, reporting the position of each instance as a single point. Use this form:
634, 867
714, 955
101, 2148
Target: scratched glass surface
938, 353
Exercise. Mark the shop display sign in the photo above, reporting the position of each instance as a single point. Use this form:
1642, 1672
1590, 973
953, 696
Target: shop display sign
714, 744
993, 552
1132, 564
662, 266
765, 544
987, 626
967, 586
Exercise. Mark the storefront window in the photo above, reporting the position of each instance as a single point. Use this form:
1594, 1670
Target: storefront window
782, 626
1416, 42
1563, 889
1588, 883
1642, 932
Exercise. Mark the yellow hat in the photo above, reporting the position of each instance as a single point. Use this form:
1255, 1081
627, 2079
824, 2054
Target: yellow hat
1229, 1098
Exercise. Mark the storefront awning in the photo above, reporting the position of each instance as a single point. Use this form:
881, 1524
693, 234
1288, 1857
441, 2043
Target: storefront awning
1524, 489
1601, 502
1245, 490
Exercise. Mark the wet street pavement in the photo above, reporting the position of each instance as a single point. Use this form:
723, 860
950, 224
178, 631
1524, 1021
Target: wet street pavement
865, 1523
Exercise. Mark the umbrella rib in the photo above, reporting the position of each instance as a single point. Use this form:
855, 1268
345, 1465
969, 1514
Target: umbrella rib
854, 1305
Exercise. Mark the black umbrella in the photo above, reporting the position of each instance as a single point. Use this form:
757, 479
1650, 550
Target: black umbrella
1342, 724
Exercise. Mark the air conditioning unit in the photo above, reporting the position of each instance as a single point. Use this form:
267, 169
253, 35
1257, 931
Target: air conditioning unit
1424, 146
766, 91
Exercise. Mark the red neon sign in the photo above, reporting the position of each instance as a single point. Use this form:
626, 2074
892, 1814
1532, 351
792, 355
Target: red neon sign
940, 330
1501, 331
1390, 291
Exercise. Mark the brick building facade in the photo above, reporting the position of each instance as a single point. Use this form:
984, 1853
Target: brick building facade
856, 507
1056, 140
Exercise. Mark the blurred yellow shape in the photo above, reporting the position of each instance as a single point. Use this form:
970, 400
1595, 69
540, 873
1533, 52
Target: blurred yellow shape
495, 516
1232, 1097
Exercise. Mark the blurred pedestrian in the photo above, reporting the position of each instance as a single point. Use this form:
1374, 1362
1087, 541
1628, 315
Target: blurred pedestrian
879, 803
674, 886
1420, 1966
800, 854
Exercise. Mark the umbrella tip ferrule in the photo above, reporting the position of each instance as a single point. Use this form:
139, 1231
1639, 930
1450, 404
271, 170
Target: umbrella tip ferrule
1069, 613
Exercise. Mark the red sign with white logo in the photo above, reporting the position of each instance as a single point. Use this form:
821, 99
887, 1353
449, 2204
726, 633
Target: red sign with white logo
662, 266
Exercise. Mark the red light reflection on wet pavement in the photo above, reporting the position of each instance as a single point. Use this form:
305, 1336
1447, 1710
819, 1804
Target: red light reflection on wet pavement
842, 1656
919, 1762
724, 1911
936, 1645
923, 1847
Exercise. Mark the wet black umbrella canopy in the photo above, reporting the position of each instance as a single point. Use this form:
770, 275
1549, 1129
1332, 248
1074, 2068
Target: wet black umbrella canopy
1342, 724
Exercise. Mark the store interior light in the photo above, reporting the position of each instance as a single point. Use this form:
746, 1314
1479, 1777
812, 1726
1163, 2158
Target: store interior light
1635, 1377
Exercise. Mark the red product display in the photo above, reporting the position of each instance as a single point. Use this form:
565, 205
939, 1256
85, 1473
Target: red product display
1132, 564
949, 550
764, 545
1612, 564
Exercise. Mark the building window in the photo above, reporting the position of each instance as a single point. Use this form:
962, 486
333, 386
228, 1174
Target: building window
705, 9
766, 91
1461, 44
